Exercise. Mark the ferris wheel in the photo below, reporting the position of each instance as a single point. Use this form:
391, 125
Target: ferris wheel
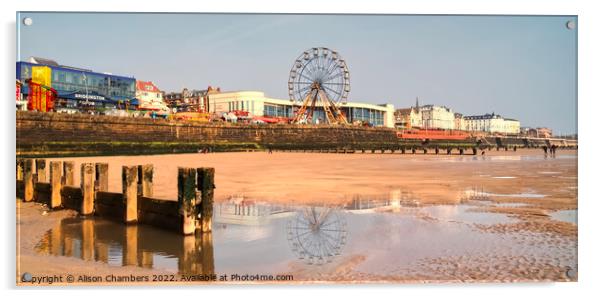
317, 234
319, 80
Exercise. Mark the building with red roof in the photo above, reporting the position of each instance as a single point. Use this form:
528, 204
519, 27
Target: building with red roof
150, 97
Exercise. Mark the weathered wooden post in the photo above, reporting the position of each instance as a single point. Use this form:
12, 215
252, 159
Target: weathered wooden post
130, 249
68, 173
41, 170
207, 260
19, 174
28, 180
146, 180
88, 240
55, 184
67, 246
146, 261
129, 181
102, 252
56, 240
102, 177
87, 185
206, 184
187, 196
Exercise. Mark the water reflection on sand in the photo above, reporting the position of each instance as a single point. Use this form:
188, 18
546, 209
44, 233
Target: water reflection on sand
254, 237
94, 239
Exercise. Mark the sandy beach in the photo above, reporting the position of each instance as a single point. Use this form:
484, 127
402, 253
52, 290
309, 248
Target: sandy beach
319, 177
524, 187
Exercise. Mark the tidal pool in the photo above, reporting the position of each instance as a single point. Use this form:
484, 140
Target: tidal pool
372, 237
565, 215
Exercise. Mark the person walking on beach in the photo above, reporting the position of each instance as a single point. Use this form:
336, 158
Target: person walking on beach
545, 150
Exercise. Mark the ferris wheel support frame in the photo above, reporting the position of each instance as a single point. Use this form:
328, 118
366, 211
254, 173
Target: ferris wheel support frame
333, 113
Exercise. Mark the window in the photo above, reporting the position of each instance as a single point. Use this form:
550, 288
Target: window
25, 72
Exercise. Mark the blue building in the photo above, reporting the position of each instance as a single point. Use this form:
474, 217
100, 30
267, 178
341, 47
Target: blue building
78, 87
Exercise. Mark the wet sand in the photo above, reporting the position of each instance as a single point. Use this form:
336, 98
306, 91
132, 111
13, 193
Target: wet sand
335, 178
522, 186
33, 221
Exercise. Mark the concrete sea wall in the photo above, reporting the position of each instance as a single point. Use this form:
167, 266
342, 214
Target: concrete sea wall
52, 134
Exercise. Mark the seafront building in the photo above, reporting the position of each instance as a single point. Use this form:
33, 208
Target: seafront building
78, 88
442, 117
408, 118
192, 100
459, 122
21, 101
437, 117
256, 103
425, 117
539, 132
492, 123
150, 97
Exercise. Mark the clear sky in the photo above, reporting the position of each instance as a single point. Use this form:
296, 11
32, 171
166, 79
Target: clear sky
521, 67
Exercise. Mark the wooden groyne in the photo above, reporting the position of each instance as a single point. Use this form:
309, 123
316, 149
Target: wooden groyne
191, 212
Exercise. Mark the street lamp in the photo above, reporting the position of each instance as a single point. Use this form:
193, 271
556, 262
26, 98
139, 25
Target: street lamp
86, 86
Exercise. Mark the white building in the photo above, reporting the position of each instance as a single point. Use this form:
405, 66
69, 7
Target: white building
437, 117
408, 118
459, 122
511, 126
257, 104
150, 97
492, 123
